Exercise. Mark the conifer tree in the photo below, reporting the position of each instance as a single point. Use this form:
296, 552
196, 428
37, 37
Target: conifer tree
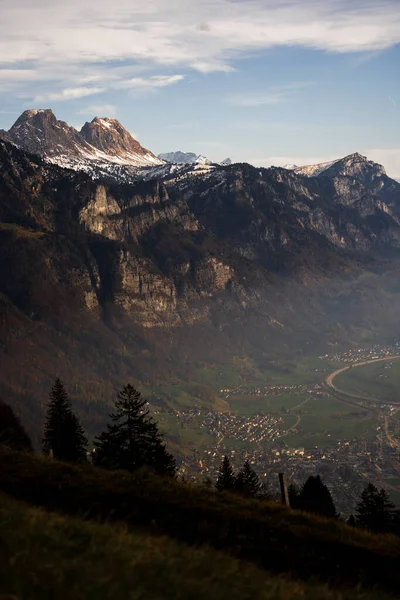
375, 511
351, 521
226, 479
247, 481
316, 498
63, 434
294, 496
12, 433
132, 440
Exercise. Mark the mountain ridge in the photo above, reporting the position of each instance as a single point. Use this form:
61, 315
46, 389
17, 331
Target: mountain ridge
98, 143
103, 281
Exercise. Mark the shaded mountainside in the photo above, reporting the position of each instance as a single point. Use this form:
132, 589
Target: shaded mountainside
103, 283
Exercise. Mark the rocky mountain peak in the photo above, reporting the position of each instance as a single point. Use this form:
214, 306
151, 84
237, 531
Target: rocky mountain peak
353, 165
36, 115
38, 131
110, 137
101, 144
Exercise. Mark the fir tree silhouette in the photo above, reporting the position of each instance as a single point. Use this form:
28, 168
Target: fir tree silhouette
132, 440
226, 479
64, 436
375, 511
351, 521
247, 481
316, 498
12, 433
294, 496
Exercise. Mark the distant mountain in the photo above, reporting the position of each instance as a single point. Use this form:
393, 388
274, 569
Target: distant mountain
179, 157
104, 144
189, 158
349, 166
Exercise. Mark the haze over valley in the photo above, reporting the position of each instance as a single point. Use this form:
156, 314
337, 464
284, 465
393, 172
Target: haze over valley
227, 292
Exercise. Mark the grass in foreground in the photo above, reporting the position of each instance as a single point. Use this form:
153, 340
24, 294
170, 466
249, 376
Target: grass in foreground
44, 555
264, 533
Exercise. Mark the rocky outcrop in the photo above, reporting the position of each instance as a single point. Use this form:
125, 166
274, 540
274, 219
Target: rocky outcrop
110, 137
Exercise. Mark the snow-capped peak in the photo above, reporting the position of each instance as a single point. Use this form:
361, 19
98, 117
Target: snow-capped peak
203, 160
190, 158
98, 145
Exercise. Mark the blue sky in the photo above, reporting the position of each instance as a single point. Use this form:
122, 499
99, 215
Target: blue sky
263, 81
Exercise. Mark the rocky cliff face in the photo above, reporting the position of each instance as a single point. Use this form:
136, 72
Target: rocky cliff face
106, 282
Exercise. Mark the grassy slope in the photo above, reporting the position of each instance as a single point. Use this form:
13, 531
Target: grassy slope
44, 555
264, 533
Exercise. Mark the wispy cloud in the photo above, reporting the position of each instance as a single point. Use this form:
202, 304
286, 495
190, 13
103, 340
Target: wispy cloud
115, 82
68, 94
274, 95
149, 83
70, 45
393, 101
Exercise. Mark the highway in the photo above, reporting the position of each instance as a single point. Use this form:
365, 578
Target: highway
335, 389
331, 377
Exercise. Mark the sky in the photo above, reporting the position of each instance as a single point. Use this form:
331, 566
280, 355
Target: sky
269, 82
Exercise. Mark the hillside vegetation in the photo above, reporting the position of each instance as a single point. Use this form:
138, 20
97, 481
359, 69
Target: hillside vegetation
266, 534
50, 556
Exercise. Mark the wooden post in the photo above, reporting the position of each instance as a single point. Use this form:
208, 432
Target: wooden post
51, 453
284, 490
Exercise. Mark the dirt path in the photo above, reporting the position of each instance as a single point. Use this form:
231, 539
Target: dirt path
292, 427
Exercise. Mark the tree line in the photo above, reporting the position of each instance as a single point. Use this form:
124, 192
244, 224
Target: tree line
132, 440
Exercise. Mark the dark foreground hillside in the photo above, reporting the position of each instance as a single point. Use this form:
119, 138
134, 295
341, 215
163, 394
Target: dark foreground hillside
168, 524
50, 556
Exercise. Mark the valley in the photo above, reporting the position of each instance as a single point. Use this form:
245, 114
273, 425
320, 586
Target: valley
295, 423
226, 293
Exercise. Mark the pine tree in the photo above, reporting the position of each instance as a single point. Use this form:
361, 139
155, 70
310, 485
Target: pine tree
12, 433
63, 434
247, 481
132, 440
375, 511
226, 478
316, 498
294, 496
351, 521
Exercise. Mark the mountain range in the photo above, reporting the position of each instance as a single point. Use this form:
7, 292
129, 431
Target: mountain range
189, 158
103, 148
154, 276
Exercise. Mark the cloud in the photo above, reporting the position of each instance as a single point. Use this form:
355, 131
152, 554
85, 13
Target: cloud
275, 95
105, 110
68, 94
69, 44
150, 83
